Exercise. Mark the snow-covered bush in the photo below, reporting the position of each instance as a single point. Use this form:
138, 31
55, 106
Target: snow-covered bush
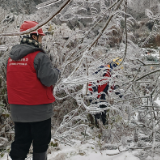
89, 34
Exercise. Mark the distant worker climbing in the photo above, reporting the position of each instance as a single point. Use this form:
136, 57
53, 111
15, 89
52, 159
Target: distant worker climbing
101, 87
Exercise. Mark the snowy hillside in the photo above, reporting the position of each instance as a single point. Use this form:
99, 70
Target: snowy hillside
87, 40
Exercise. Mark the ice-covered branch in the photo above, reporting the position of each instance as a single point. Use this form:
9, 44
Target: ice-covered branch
62, 6
105, 26
45, 4
126, 34
158, 70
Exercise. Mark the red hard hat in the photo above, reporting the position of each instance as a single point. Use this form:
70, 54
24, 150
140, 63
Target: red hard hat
30, 24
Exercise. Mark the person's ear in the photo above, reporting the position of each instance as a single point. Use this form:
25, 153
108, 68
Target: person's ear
34, 37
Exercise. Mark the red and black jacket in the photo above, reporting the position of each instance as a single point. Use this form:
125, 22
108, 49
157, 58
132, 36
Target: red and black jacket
101, 88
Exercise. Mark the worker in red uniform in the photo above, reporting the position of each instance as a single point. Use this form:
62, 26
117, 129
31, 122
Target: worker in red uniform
30, 76
101, 87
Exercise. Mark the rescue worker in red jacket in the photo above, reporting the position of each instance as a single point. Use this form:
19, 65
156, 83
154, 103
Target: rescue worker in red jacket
30, 76
102, 89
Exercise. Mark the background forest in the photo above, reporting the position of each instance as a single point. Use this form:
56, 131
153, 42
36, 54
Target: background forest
80, 36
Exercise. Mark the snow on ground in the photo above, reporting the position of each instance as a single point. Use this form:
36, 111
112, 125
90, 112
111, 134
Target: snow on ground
88, 151
85, 151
